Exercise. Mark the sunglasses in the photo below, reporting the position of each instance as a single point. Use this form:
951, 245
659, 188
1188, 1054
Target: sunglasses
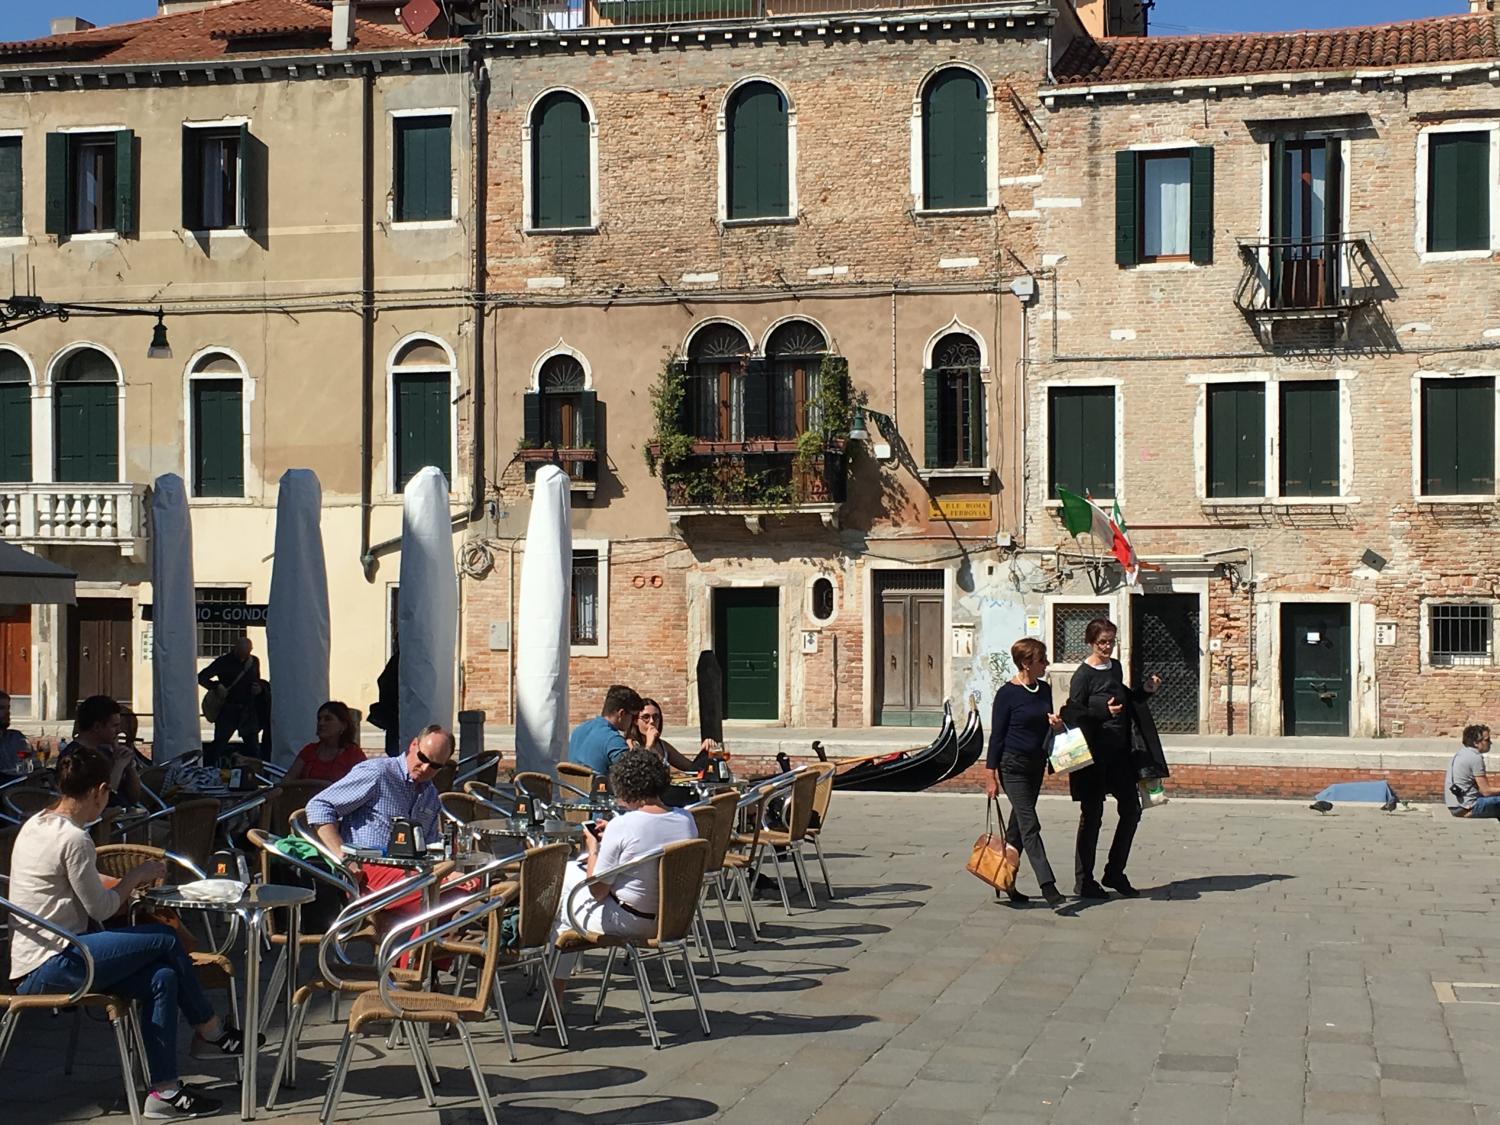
426, 761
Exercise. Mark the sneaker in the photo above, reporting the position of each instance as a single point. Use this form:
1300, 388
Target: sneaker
187, 1102
1090, 889
231, 1042
1121, 884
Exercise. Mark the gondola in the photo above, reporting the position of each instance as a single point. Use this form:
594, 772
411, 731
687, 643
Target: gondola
970, 744
907, 771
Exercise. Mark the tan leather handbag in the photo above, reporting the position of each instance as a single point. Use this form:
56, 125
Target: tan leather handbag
993, 860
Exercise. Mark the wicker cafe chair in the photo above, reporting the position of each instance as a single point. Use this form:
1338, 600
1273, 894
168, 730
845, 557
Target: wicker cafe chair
415, 1010
340, 976
464, 807
822, 798
536, 785
680, 869
483, 767
285, 799
726, 811
706, 819
119, 1010
774, 841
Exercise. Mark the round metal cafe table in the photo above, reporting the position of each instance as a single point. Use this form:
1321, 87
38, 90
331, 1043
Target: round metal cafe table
511, 827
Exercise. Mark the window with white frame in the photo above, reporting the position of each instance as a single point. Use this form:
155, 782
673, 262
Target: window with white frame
1458, 188
1460, 634
588, 610
1070, 620
216, 389
12, 222
1272, 439
1457, 427
422, 179
213, 179
421, 412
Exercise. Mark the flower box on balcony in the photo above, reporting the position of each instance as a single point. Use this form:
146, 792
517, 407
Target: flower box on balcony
550, 454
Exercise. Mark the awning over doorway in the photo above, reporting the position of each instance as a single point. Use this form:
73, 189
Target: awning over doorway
28, 580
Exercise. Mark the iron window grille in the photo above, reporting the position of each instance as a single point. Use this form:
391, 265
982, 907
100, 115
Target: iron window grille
585, 605
215, 639
1068, 625
1460, 635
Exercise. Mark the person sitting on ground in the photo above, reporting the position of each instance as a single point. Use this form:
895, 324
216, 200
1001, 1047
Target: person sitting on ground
54, 875
647, 734
1467, 790
639, 780
335, 753
97, 727
597, 742
13, 744
358, 810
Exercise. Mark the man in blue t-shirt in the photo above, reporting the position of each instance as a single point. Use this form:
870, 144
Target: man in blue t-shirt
1468, 791
599, 741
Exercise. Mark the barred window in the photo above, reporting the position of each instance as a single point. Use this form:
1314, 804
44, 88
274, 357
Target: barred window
1068, 625
1460, 634
215, 640
585, 597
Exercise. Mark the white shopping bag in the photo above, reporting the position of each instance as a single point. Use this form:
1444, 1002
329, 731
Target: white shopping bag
1070, 751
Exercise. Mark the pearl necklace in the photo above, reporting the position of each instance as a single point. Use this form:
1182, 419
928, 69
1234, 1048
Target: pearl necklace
1033, 689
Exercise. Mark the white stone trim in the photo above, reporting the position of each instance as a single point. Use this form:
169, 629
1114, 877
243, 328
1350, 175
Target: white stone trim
1267, 705
528, 161
1110, 601
721, 129
991, 144
699, 326
38, 416
1044, 434
391, 371
1424, 632
455, 152
765, 339
561, 348
1492, 127
1417, 379
44, 453
602, 547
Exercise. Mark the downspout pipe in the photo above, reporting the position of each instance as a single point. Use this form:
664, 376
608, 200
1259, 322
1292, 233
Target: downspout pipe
366, 317
480, 90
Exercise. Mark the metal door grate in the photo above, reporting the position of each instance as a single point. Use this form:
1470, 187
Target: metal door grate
908, 581
1166, 642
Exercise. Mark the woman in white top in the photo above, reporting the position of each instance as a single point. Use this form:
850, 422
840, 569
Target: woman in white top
638, 779
54, 875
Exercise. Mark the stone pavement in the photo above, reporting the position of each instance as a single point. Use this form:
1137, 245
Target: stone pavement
1281, 967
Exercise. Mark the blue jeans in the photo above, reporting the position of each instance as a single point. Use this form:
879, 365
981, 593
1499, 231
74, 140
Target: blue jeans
146, 963
1485, 807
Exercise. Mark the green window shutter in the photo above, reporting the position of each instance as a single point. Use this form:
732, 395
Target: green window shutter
423, 426
1458, 192
1127, 196
59, 182
1081, 441
757, 156
531, 420
931, 418
1310, 438
242, 177
1458, 437
955, 141
588, 411
560, 164
757, 404
424, 169
11, 213
1201, 222
15, 432
978, 449
87, 437
218, 440
125, 207
192, 179
1237, 439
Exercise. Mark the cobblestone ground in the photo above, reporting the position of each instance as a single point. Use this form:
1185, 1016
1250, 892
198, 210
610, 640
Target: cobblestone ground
1280, 967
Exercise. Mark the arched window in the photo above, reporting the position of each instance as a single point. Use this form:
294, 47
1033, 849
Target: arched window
15, 417
561, 196
561, 414
718, 362
421, 411
954, 404
955, 140
756, 152
795, 353
216, 391
86, 405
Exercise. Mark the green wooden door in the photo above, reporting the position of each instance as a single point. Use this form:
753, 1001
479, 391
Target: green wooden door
746, 635
88, 432
954, 139
758, 167
15, 430
423, 425
218, 438
561, 163
1315, 678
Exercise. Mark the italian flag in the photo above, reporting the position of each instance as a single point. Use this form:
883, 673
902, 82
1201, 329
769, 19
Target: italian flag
1081, 515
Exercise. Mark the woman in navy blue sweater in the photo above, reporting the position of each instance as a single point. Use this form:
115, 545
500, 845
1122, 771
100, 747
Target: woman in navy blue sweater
1020, 726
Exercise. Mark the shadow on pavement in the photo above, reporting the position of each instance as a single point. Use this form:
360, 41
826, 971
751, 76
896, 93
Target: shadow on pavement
627, 1109
1188, 889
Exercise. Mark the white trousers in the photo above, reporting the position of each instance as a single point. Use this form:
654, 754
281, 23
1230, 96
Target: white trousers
594, 916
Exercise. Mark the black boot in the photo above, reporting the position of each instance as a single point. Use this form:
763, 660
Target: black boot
1017, 897
1053, 896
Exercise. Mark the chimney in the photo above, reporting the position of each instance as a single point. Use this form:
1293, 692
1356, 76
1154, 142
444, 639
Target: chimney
62, 25
343, 24
1480, 7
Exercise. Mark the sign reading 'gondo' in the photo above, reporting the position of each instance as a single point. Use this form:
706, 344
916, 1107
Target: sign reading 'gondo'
221, 613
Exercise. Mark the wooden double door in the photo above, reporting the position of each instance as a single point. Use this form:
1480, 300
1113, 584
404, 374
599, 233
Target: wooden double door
15, 655
909, 655
100, 659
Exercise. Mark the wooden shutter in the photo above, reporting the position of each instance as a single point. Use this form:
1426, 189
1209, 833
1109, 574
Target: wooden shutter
1237, 439
125, 206
757, 404
932, 414
15, 432
11, 212
955, 142
1333, 221
1458, 437
241, 179
978, 410
192, 179
1458, 192
59, 182
531, 420
1281, 201
423, 429
588, 409
1310, 438
560, 164
1081, 441
424, 169
1201, 222
1127, 207
218, 440
758, 165
88, 439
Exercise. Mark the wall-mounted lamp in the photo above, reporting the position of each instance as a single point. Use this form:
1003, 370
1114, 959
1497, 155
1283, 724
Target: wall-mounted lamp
857, 431
159, 348
22, 309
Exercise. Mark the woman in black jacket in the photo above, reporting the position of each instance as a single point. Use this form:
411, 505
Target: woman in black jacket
1101, 706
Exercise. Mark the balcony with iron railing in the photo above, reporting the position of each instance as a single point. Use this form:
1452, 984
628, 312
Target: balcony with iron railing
1306, 279
504, 17
53, 515
755, 479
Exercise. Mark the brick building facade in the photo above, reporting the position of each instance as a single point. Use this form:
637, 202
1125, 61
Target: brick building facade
1270, 323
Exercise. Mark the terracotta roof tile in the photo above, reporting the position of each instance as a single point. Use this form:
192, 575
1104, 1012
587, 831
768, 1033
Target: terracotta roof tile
1445, 39
208, 33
